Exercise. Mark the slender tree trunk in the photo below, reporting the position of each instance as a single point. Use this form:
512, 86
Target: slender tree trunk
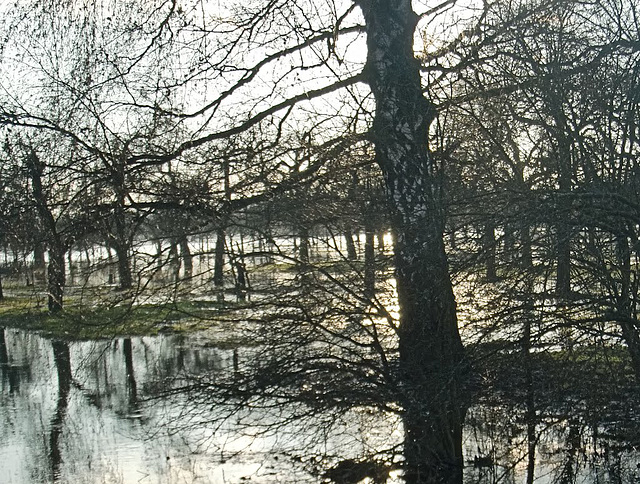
508, 244
369, 259
628, 324
159, 262
531, 444
242, 280
570, 467
1, 291
121, 247
380, 236
563, 258
187, 259
218, 261
39, 263
563, 204
174, 260
72, 269
560, 140
15, 259
525, 241
530, 416
352, 253
489, 249
304, 244
432, 362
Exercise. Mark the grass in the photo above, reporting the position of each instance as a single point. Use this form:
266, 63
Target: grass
107, 319
593, 374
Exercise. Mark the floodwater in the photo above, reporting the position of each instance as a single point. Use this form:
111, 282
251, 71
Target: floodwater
101, 411
98, 412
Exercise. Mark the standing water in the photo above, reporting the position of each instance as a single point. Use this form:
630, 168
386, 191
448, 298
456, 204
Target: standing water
103, 411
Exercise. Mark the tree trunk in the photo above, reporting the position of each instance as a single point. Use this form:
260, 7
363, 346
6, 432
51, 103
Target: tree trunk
218, 261
569, 473
526, 260
489, 249
563, 203
55, 278
530, 400
628, 323
561, 140
218, 264
39, 263
174, 260
159, 261
72, 269
121, 247
125, 277
352, 253
187, 259
121, 231
381, 241
55, 272
432, 361
563, 257
304, 244
369, 259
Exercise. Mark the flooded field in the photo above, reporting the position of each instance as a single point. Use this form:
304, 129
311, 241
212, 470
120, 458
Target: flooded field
127, 410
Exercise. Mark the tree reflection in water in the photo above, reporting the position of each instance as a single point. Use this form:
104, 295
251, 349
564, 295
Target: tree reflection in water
253, 411
62, 360
4, 356
522, 426
132, 386
10, 375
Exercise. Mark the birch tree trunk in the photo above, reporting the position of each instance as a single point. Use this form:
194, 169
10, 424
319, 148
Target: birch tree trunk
432, 361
